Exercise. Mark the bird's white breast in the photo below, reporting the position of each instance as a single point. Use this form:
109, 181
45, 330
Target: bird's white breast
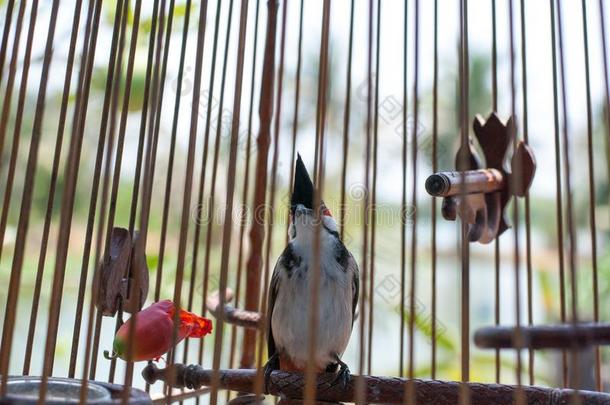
290, 320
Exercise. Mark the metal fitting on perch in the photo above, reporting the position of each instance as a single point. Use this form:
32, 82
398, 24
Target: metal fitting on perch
388, 390
479, 194
450, 184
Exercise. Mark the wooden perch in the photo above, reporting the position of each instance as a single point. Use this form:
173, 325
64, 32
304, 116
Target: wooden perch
230, 314
378, 389
564, 336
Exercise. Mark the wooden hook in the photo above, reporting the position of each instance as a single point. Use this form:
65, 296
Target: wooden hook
115, 279
479, 193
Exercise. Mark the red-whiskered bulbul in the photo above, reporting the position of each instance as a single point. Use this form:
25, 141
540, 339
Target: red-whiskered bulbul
289, 293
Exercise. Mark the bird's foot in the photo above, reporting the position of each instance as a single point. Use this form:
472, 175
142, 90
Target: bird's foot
344, 375
273, 363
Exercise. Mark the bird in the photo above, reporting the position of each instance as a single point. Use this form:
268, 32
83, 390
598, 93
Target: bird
289, 292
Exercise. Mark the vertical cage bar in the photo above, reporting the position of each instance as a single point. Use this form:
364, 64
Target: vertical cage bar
558, 188
494, 97
6, 105
217, 141
228, 224
67, 206
591, 172
276, 151
602, 29
157, 126
121, 19
433, 331
403, 212
572, 251
51, 193
188, 181
346, 120
203, 12
257, 230
119, 156
206, 144
316, 267
10, 177
272, 189
515, 181
139, 244
464, 243
17, 127
528, 235
8, 19
29, 181
254, 264
360, 383
371, 296
246, 183
414, 197
156, 104
297, 97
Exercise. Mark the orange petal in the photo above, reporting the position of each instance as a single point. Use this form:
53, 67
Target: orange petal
194, 325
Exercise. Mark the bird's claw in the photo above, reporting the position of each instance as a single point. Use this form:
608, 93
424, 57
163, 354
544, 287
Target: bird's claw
344, 375
273, 363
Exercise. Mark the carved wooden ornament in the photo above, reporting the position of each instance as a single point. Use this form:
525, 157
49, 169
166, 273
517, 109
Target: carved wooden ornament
118, 274
479, 193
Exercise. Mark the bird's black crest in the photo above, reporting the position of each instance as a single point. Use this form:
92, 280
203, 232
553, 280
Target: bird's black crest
302, 192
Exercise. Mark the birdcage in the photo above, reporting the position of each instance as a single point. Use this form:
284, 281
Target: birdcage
147, 153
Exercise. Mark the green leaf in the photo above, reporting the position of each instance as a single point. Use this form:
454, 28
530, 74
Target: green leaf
152, 261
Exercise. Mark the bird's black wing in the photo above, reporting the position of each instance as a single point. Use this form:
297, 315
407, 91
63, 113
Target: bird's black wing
349, 265
275, 282
286, 263
353, 266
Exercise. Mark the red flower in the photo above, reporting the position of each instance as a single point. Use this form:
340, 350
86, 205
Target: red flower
154, 329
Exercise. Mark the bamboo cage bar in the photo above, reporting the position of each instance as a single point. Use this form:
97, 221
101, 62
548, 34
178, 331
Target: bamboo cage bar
147, 153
